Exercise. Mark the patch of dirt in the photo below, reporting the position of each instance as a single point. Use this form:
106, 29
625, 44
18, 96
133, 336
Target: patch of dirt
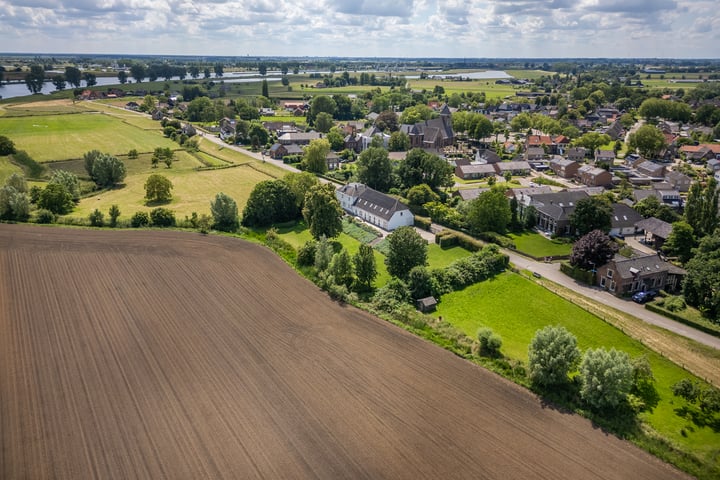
146, 354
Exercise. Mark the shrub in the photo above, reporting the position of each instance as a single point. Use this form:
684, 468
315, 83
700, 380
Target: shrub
422, 222
306, 254
114, 213
162, 217
44, 216
490, 343
96, 218
675, 303
553, 353
140, 219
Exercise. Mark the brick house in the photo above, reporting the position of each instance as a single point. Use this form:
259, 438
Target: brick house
625, 276
564, 168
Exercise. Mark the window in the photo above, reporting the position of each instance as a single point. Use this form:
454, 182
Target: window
602, 282
610, 273
612, 285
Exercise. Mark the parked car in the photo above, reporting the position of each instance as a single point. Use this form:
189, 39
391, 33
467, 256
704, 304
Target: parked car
642, 297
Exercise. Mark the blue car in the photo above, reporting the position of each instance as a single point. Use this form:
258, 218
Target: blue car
642, 297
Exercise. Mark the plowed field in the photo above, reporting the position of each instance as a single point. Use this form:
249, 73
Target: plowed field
145, 354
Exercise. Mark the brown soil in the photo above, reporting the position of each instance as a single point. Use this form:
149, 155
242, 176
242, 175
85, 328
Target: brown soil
145, 354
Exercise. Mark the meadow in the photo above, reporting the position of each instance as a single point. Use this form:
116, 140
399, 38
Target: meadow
515, 308
536, 245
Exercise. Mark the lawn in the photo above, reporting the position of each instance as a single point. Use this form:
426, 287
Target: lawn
61, 137
536, 245
192, 190
299, 234
442, 257
7, 168
515, 308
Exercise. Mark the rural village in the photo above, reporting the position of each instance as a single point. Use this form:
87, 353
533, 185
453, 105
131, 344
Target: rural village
555, 223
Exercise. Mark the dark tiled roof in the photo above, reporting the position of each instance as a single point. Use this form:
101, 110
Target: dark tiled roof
624, 216
372, 201
655, 226
558, 205
643, 265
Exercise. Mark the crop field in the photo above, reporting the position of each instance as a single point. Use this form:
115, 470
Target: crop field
516, 308
146, 354
62, 137
491, 89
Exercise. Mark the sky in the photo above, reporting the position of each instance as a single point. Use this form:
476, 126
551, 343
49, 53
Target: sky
365, 28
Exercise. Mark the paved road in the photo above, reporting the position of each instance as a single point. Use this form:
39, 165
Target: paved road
552, 272
257, 156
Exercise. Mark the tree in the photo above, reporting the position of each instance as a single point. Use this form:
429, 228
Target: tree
336, 139
593, 140
341, 268
421, 194
680, 242
374, 169
315, 156
271, 201
416, 114
56, 198
489, 212
7, 146
591, 213
122, 77
530, 218
262, 69
162, 217
320, 104
701, 208
73, 75
137, 71
265, 89
399, 142
97, 219
90, 79
89, 159
218, 68
59, 82
387, 121
300, 183
114, 213
157, 188
148, 104
648, 140
421, 282
323, 254
323, 122
365, 268
593, 250
224, 212
322, 211
35, 78
489, 342
68, 180
607, 377
17, 182
701, 285
422, 167
107, 170
552, 355
406, 249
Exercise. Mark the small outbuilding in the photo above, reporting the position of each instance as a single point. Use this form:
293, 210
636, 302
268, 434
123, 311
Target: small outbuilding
427, 304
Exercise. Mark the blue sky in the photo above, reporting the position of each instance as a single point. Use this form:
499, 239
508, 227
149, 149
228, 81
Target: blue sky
394, 28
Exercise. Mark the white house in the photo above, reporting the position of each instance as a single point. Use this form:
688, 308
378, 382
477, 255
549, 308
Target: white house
374, 207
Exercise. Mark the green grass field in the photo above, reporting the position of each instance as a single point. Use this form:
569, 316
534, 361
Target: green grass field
537, 245
442, 257
515, 308
60, 137
7, 168
491, 89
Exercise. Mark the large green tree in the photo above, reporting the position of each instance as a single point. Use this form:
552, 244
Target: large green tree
593, 140
701, 285
315, 156
7, 146
224, 211
69, 180
108, 170
323, 122
680, 242
422, 167
591, 213
607, 377
648, 140
489, 212
73, 75
56, 198
137, 71
300, 183
406, 250
322, 211
320, 104
35, 78
701, 208
158, 188
374, 169
552, 355
365, 267
271, 201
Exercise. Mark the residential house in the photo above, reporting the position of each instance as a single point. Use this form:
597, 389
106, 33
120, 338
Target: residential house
576, 154
188, 129
475, 171
485, 156
713, 165
656, 231
374, 207
534, 154
615, 131
367, 136
280, 128
552, 144
279, 151
604, 156
625, 276
333, 161
651, 169
564, 168
678, 181
525, 195
554, 210
158, 115
298, 138
468, 194
701, 153
520, 168
353, 142
594, 177
623, 220
227, 128
134, 106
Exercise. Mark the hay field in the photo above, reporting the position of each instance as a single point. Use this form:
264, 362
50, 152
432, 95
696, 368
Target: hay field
147, 354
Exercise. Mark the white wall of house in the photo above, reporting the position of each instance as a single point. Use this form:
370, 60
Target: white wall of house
402, 218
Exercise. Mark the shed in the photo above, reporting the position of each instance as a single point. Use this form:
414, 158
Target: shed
426, 304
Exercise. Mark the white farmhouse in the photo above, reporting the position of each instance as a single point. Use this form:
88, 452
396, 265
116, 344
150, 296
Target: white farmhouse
374, 207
